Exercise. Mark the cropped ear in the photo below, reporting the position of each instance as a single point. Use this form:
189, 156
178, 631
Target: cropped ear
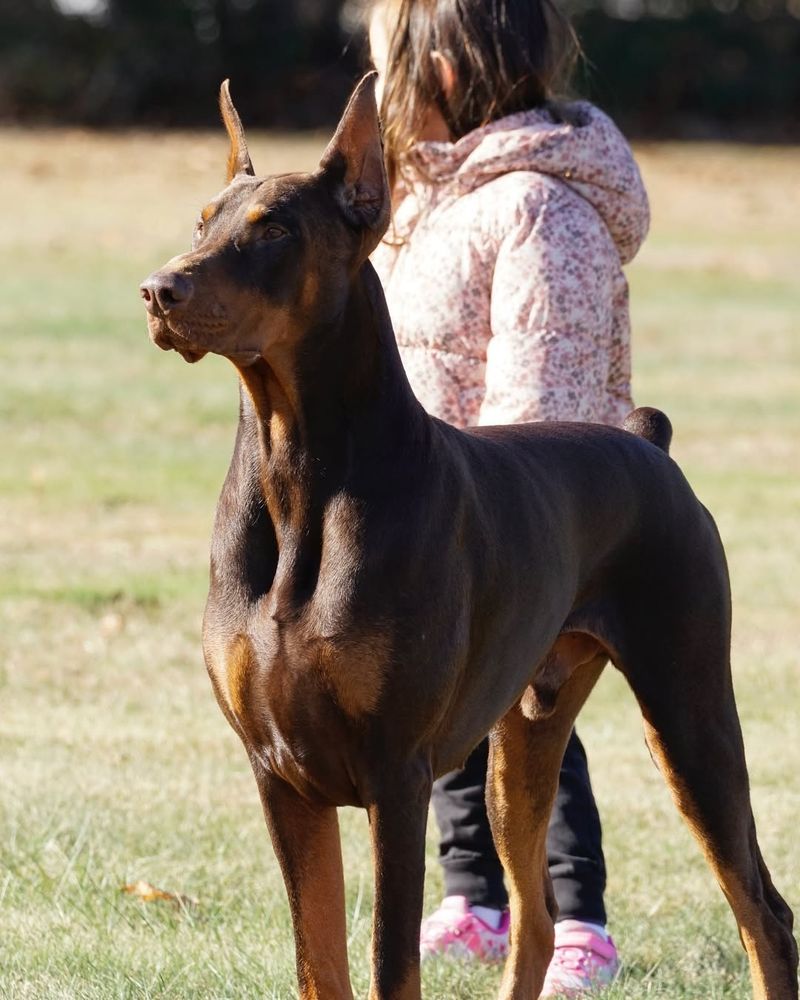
238, 157
354, 161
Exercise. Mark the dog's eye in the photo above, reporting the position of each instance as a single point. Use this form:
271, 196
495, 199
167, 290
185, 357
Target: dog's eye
272, 232
198, 230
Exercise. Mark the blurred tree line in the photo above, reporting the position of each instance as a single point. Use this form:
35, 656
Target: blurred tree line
663, 67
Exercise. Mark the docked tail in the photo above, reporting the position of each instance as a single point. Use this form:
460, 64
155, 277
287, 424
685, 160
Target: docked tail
650, 424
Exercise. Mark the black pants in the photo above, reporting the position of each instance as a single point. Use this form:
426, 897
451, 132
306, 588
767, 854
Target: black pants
574, 838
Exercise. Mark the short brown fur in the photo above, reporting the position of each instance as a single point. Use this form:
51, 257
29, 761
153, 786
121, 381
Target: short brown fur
386, 589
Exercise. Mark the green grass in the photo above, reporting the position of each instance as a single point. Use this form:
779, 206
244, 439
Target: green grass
115, 763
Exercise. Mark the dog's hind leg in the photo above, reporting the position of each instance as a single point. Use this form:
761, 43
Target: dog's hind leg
684, 687
526, 751
398, 818
305, 837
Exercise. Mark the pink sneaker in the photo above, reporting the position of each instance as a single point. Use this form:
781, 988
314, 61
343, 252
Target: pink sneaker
454, 930
582, 961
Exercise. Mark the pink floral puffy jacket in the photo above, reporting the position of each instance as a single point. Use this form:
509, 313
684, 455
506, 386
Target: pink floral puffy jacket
503, 269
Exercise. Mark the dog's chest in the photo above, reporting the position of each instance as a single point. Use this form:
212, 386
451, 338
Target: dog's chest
250, 665
297, 697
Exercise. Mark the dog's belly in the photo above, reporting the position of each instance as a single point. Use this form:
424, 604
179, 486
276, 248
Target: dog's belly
490, 684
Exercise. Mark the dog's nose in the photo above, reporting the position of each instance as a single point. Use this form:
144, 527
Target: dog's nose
166, 291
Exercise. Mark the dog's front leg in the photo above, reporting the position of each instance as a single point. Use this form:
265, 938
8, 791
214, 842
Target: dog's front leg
305, 837
397, 818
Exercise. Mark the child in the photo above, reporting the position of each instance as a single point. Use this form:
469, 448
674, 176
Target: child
513, 216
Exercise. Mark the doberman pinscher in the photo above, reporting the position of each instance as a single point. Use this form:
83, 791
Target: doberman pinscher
386, 589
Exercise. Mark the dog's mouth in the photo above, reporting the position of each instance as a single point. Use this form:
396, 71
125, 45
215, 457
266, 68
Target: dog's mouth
185, 339
169, 339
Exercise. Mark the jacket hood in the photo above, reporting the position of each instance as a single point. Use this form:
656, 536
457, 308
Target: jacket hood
575, 143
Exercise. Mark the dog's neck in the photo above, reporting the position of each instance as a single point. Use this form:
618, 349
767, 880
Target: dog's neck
328, 408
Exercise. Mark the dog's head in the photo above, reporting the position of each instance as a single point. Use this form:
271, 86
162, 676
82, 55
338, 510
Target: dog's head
272, 258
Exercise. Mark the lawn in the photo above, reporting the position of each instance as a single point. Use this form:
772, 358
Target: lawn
115, 763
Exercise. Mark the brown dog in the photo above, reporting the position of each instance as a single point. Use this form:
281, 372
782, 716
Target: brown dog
385, 589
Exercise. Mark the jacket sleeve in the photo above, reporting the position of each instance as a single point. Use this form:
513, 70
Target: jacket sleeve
551, 316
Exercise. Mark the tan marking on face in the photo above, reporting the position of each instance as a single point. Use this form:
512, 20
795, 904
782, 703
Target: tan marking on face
310, 293
255, 214
208, 212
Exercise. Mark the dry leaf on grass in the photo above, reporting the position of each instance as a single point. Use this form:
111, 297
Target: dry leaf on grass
148, 893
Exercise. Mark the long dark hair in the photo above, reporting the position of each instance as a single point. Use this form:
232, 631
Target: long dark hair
508, 56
